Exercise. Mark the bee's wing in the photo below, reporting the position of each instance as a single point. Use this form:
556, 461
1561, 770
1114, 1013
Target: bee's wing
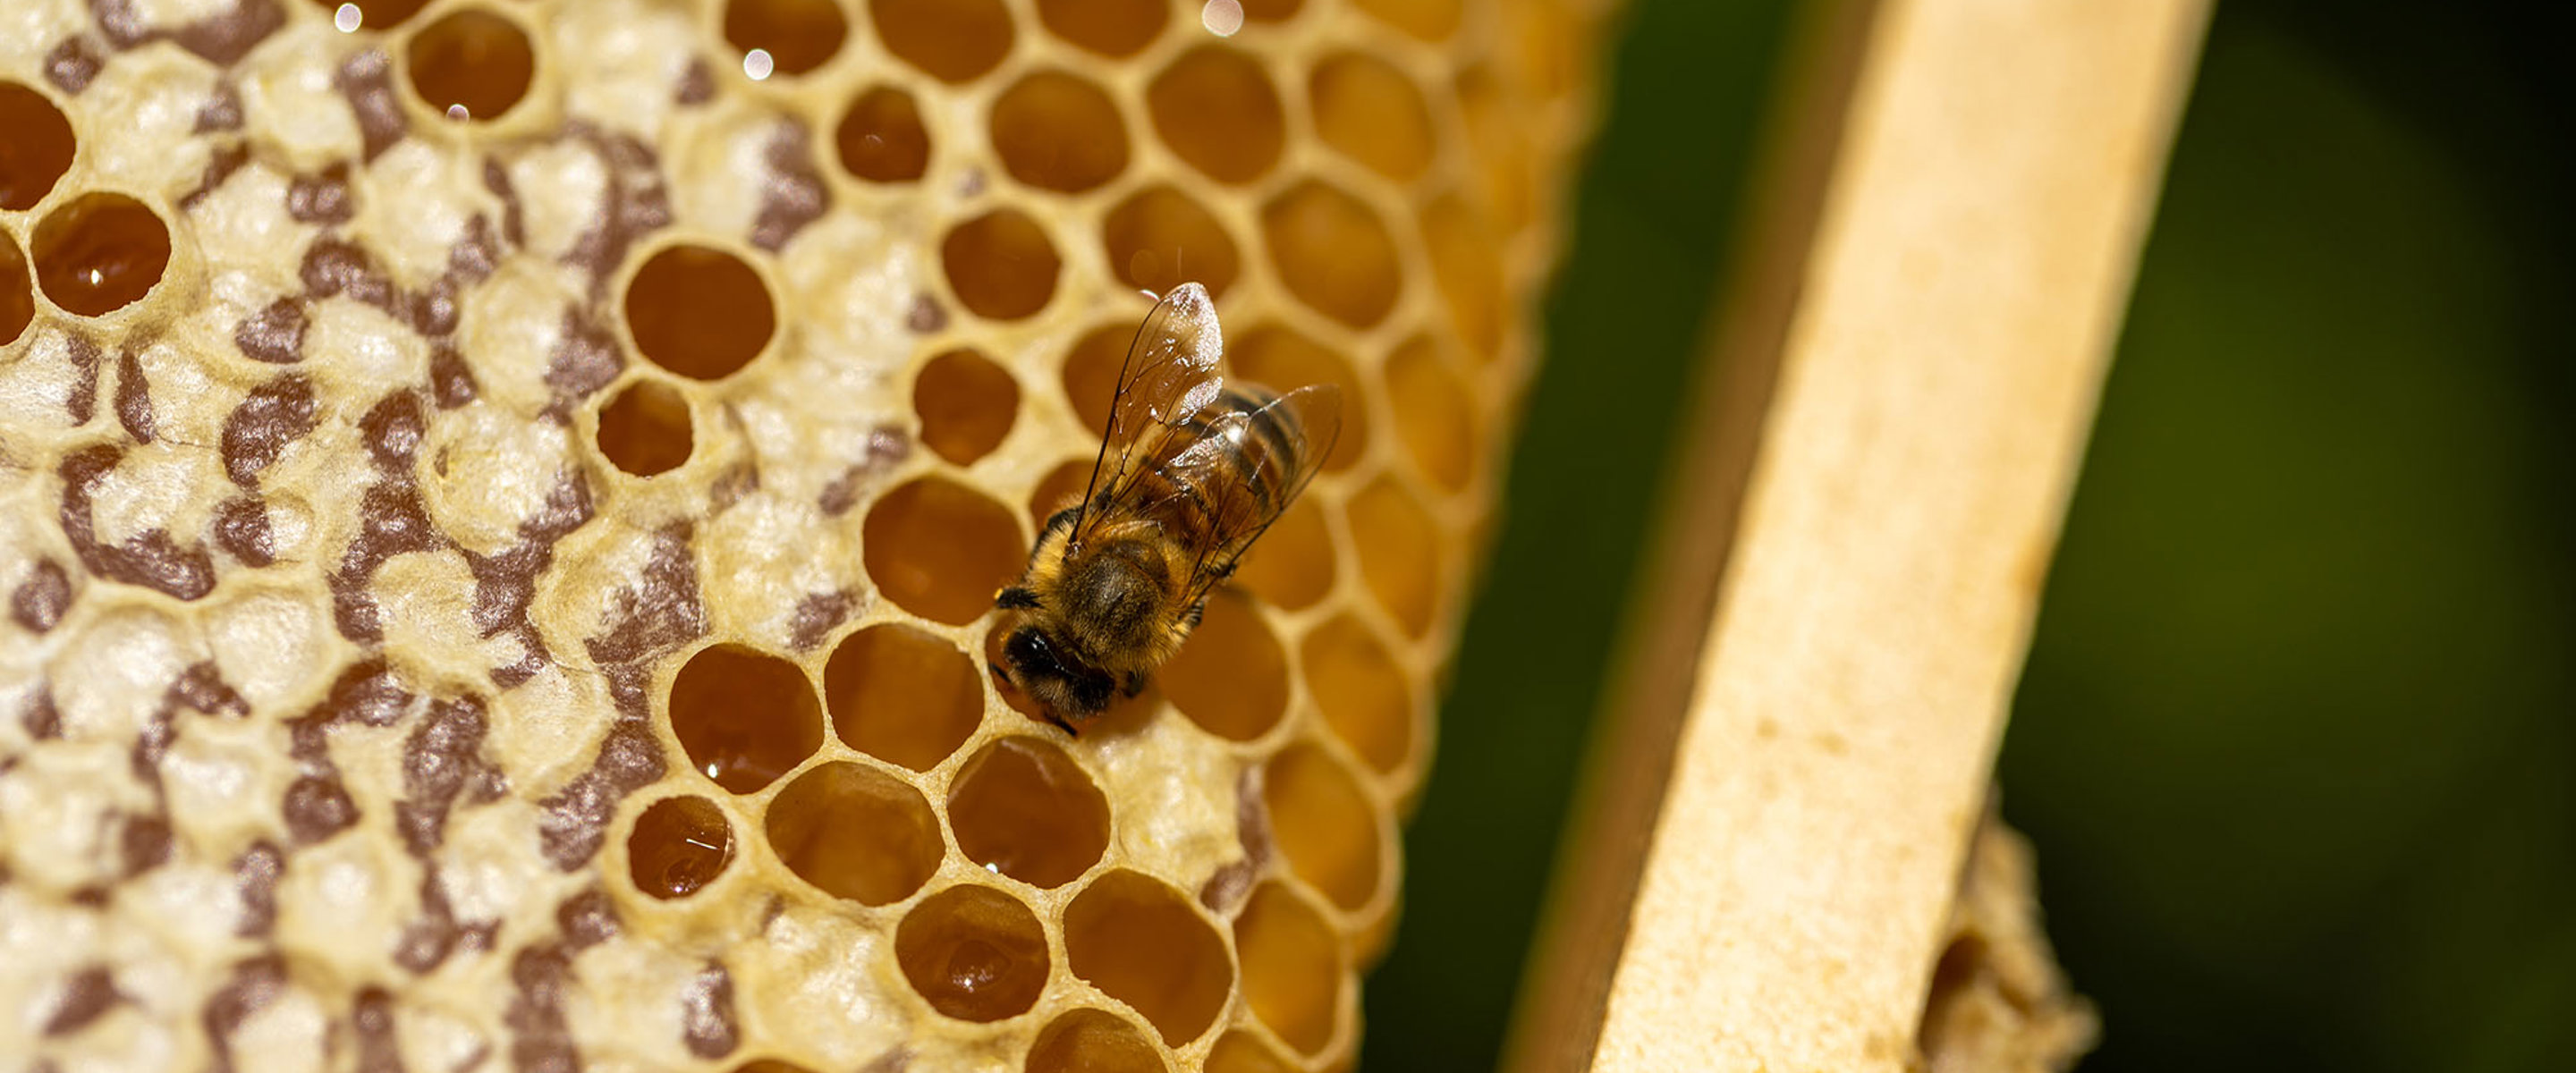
1251, 465
1170, 374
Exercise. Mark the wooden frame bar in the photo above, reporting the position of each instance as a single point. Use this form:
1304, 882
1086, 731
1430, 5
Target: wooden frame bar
1988, 191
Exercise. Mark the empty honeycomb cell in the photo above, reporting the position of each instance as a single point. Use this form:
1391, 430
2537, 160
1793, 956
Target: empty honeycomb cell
855, 832
1361, 691
1218, 111
374, 14
1292, 564
881, 138
1430, 20
1158, 239
1000, 264
1286, 361
1433, 413
37, 147
1109, 27
940, 549
1062, 486
1057, 131
645, 429
17, 291
745, 717
1084, 1040
798, 35
1399, 546
966, 404
1091, 372
471, 64
1292, 966
975, 953
1140, 942
1231, 675
1021, 807
1323, 823
1241, 1052
1469, 268
699, 311
1501, 149
951, 40
903, 694
99, 253
1333, 253
1372, 113
679, 845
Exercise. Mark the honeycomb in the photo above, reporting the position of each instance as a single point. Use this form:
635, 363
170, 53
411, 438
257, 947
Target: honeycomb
502, 501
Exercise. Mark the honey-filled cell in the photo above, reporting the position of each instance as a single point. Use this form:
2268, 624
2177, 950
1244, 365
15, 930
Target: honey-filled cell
1023, 808
36, 146
881, 138
1058, 131
699, 311
950, 40
798, 35
855, 832
974, 953
471, 64
1219, 113
744, 717
1001, 265
1109, 27
645, 430
903, 694
1140, 942
679, 845
17, 291
1324, 824
99, 253
941, 549
1092, 1041
1231, 675
966, 404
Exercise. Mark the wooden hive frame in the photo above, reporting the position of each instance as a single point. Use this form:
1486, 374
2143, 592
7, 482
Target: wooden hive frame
1763, 868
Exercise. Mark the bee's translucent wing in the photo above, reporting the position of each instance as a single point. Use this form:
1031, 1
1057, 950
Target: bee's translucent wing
1170, 374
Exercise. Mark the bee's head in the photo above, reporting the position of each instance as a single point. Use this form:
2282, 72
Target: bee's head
1054, 676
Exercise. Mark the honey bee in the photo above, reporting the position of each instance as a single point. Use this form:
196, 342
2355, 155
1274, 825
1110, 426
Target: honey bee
1191, 471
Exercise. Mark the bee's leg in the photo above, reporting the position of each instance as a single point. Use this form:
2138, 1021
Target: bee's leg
1135, 684
1060, 721
1016, 598
1197, 610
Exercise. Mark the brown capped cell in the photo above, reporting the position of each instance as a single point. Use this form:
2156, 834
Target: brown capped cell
745, 717
37, 147
941, 550
699, 312
1109, 27
1323, 824
17, 291
1370, 112
855, 832
1361, 691
1000, 264
1333, 253
966, 404
1057, 131
974, 953
1158, 239
1284, 360
1216, 108
1434, 414
1399, 548
903, 694
1085, 1040
645, 430
1292, 966
880, 137
950, 40
1144, 944
1021, 807
1231, 675
1292, 564
679, 845
798, 35
472, 64
99, 253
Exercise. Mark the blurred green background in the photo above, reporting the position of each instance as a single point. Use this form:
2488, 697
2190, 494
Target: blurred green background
2297, 739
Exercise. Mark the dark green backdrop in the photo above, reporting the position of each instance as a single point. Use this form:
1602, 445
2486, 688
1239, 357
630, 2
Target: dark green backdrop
2297, 741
